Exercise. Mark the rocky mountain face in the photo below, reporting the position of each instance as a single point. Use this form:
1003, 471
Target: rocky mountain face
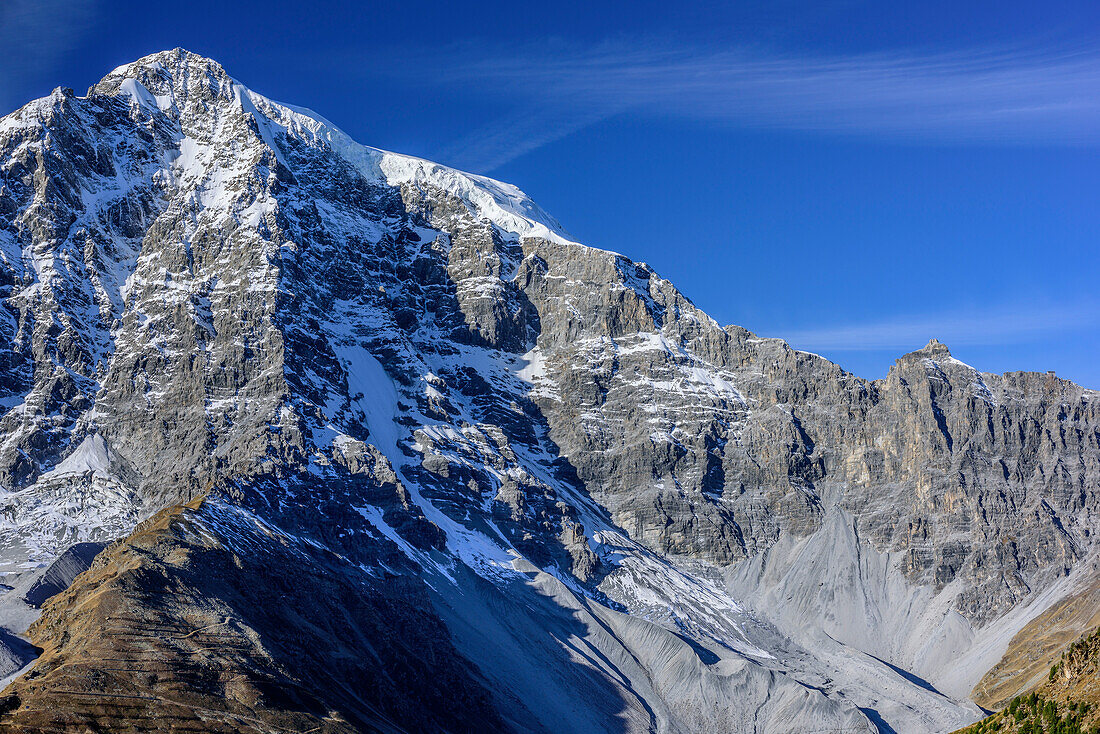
423, 447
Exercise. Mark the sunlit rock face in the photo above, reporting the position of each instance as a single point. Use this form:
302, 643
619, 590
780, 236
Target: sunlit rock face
410, 378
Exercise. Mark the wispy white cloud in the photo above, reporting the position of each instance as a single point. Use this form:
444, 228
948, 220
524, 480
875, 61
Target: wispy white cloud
34, 34
1008, 97
1012, 324
509, 137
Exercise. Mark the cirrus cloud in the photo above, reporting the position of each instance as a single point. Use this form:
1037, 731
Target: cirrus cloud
998, 97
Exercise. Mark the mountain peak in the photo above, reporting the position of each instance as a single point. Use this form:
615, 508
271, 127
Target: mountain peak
172, 62
189, 83
934, 349
935, 346
178, 73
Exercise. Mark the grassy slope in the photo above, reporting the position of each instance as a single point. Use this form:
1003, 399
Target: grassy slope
1066, 702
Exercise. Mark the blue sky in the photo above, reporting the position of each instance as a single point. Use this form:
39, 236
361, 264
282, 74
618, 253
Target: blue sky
855, 177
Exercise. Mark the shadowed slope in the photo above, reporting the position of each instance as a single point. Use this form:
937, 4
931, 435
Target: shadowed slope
208, 620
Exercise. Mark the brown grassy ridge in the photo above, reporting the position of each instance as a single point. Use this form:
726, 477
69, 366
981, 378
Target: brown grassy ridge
1066, 702
1037, 646
176, 629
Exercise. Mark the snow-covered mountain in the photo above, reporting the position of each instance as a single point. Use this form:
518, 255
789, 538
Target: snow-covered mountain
410, 458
